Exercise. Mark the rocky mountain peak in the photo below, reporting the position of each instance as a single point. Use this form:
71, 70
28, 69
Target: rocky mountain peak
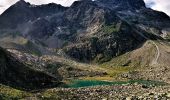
126, 4
22, 3
82, 3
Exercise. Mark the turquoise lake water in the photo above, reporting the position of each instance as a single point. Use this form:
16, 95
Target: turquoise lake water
87, 83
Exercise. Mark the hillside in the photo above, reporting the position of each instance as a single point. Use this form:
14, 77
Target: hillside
20, 75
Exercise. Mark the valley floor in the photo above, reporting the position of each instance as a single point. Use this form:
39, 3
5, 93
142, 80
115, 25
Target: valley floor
131, 76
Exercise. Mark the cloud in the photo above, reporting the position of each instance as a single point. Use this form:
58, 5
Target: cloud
160, 5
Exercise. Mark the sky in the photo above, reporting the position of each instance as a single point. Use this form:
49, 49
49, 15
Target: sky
160, 5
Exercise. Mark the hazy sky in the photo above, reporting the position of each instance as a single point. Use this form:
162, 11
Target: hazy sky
161, 5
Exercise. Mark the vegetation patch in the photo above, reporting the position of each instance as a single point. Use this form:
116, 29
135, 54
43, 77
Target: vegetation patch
8, 93
111, 28
33, 49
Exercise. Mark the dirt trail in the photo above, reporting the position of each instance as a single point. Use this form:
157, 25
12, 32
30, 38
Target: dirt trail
155, 61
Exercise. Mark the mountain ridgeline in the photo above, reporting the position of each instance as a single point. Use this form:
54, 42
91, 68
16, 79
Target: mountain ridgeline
86, 31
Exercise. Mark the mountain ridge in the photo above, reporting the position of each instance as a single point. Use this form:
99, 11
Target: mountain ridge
52, 25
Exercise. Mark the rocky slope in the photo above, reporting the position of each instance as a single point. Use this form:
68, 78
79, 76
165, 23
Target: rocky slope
125, 92
19, 75
58, 66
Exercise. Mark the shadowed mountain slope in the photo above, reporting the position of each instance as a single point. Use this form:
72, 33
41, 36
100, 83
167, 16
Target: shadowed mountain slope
19, 75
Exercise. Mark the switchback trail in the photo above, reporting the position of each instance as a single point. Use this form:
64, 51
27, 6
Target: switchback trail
155, 60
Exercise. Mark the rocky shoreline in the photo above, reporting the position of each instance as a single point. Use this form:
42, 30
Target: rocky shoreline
116, 92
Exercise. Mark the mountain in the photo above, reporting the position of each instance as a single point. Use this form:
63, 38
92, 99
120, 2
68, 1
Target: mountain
27, 12
105, 40
123, 4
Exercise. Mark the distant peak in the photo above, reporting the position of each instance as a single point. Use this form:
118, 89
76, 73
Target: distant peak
135, 4
121, 4
82, 2
22, 3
